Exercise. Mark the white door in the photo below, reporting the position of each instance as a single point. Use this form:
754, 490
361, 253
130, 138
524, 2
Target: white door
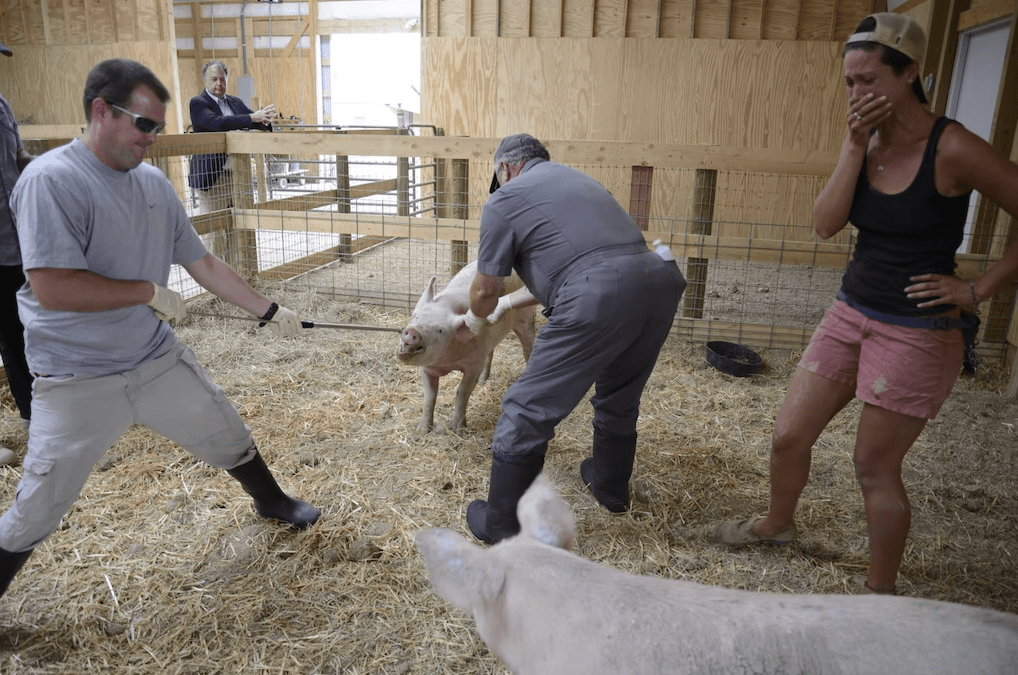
973, 95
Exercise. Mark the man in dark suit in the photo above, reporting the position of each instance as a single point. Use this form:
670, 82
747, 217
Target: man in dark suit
215, 110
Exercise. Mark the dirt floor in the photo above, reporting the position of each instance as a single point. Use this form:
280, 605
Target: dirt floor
162, 566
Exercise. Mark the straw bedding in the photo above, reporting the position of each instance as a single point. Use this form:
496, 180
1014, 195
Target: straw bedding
162, 566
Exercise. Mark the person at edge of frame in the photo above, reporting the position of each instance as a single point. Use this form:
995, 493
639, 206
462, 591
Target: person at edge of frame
896, 334
99, 230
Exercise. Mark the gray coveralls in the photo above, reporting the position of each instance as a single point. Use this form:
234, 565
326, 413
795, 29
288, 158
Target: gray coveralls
610, 303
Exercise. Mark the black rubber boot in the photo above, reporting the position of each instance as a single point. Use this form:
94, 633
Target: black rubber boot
10, 563
269, 499
493, 520
607, 473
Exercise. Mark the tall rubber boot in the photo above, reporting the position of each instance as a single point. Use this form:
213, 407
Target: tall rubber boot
269, 499
10, 563
607, 473
493, 520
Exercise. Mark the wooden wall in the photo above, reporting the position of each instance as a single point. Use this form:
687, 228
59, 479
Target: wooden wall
722, 19
736, 93
56, 43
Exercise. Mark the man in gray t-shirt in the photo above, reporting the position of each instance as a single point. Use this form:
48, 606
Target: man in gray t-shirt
99, 230
13, 158
610, 302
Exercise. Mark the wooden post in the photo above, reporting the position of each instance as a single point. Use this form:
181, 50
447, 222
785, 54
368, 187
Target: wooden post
242, 245
343, 201
402, 182
261, 177
704, 182
459, 198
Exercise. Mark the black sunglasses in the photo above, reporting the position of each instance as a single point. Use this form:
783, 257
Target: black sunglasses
141, 123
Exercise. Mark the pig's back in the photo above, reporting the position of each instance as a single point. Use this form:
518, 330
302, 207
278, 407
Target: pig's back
649, 625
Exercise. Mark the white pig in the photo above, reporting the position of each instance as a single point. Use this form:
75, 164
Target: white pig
430, 342
542, 609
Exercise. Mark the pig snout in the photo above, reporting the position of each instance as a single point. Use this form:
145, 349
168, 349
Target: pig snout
410, 342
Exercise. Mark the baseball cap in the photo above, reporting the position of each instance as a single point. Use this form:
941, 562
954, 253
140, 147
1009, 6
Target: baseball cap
515, 148
4, 50
897, 31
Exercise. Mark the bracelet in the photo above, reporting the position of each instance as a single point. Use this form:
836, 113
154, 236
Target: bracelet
975, 300
273, 308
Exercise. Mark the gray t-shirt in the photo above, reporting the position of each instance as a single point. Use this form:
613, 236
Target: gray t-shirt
10, 143
544, 220
74, 212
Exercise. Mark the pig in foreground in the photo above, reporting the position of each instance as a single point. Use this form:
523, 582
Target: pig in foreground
542, 609
431, 343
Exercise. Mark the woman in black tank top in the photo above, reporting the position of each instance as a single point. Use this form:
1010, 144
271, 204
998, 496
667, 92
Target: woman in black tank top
903, 179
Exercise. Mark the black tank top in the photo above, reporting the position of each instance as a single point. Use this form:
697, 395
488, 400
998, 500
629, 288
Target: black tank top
916, 231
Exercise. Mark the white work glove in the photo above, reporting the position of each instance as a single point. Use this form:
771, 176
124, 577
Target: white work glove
505, 303
474, 322
282, 322
168, 305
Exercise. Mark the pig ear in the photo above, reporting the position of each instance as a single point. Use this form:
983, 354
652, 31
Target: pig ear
460, 571
427, 296
545, 516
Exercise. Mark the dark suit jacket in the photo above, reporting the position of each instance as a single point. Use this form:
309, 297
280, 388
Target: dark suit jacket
206, 116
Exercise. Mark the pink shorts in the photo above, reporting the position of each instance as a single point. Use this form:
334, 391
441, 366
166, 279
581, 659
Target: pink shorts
905, 370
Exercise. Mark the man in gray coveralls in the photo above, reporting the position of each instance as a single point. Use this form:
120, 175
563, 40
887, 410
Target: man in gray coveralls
610, 302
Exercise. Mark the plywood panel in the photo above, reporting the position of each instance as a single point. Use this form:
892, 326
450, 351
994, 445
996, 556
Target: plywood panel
745, 23
35, 30
711, 19
484, 18
642, 18
607, 68
64, 68
851, 12
610, 18
125, 20
816, 20
514, 18
12, 23
780, 19
459, 85
734, 93
551, 70
578, 18
151, 20
677, 18
452, 18
54, 23
96, 23
546, 19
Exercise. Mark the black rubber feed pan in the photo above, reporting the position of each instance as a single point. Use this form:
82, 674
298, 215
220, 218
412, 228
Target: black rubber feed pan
733, 359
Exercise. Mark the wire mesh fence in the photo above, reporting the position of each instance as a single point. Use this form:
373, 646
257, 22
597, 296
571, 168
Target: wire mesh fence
374, 225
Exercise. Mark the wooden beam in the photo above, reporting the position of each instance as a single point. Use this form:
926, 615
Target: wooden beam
593, 153
55, 131
991, 10
950, 10
305, 25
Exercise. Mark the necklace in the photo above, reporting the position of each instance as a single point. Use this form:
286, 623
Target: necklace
880, 159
